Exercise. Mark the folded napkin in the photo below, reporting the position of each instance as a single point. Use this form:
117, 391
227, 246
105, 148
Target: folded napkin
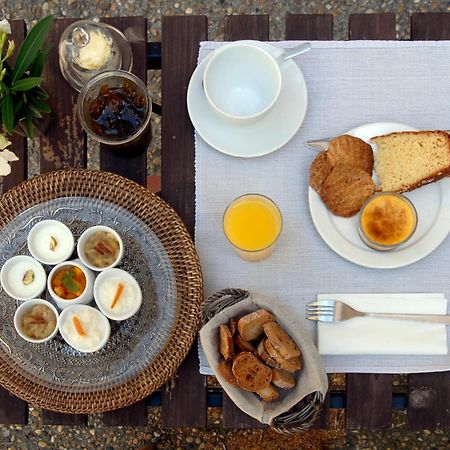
311, 378
372, 336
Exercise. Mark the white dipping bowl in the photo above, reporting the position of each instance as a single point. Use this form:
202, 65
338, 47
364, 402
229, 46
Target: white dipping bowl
82, 242
94, 323
12, 273
105, 287
39, 242
242, 81
86, 296
23, 309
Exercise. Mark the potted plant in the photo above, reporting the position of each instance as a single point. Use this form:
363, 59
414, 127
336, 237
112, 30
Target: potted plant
22, 99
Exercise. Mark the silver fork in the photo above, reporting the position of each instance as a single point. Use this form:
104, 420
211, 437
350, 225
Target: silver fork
336, 311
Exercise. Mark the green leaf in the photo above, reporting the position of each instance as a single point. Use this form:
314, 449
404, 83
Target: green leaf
17, 106
68, 283
34, 112
39, 104
40, 93
8, 113
29, 124
37, 65
31, 46
26, 84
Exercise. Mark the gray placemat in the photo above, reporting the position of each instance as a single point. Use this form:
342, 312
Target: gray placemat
349, 84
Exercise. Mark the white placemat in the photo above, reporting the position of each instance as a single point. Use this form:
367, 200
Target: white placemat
349, 84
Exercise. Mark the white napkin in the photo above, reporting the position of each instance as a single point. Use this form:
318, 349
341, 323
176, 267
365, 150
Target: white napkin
371, 336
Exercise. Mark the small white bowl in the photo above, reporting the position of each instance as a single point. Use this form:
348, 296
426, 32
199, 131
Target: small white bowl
86, 235
242, 82
40, 242
105, 287
94, 323
86, 296
23, 309
12, 275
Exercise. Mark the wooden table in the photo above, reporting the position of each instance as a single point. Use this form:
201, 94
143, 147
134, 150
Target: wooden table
368, 398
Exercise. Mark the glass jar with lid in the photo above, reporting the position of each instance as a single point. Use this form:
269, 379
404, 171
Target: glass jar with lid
87, 48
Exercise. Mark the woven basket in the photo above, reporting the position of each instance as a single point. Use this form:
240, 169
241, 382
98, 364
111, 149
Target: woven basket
172, 233
305, 413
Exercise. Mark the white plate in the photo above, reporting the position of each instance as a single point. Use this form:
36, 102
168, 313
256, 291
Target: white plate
259, 138
433, 208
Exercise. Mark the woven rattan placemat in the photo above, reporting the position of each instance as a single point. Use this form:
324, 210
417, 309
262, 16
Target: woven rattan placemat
172, 233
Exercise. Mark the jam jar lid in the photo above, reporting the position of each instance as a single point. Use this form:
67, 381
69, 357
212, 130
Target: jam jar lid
87, 48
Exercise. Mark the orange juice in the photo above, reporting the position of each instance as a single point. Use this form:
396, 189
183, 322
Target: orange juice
252, 223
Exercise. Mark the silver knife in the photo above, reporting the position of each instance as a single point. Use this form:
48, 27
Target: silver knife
322, 144
319, 145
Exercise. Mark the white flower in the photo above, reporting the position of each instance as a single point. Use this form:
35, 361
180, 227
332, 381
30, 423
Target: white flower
5, 27
4, 142
5, 156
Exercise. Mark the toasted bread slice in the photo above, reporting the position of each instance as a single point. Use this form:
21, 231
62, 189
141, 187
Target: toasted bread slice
250, 373
319, 170
232, 325
226, 342
268, 394
262, 353
345, 190
281, 340
250, 326
409, 159
224, 369
352, 151
291, 365
282, 379
241, 345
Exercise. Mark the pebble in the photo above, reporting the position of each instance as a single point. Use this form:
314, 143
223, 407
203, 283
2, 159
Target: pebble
42, 444
35, 413
189, 439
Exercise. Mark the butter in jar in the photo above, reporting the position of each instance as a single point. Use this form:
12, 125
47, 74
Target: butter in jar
386, 221
96, 52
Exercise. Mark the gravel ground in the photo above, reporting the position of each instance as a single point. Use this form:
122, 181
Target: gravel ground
95, 435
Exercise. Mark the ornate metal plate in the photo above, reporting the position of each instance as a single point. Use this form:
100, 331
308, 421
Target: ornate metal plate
135, 342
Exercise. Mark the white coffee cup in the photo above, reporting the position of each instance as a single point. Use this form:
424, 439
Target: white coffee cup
242, 81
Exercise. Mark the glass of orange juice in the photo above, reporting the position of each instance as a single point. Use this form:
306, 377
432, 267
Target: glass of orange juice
252, 223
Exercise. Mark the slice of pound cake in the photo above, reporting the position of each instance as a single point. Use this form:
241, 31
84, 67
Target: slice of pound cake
407, 160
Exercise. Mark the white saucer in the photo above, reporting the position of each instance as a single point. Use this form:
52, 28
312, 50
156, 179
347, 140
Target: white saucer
259, 138
432, 203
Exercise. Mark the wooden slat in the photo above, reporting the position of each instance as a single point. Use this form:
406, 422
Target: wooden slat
372, 26
246, 27
429, 393
369, 401
55, 418
184, 399
13, 410
369, 397
237, 28
311, 27
429, 400
430, 26
130, 163
64, 144
134, 416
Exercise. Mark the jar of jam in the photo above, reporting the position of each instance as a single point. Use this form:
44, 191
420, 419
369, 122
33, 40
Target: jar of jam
114, 108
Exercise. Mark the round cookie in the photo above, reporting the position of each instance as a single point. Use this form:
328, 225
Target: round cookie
319, 170
346, 189
351, 150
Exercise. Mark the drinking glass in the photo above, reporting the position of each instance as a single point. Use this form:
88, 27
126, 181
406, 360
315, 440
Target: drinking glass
252, 224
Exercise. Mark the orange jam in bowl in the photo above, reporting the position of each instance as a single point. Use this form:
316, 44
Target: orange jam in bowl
387, 220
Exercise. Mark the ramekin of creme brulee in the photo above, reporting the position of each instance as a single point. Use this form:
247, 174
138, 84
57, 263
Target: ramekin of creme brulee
387, 220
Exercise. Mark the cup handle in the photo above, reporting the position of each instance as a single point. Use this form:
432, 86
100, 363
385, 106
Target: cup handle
298, 50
